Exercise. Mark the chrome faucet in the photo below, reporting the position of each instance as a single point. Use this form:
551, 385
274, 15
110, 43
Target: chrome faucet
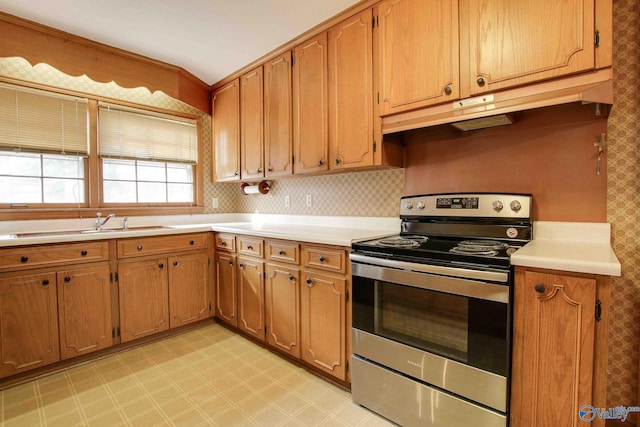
101, 222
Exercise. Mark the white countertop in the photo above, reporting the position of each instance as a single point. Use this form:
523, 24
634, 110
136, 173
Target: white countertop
341, 231
575, 247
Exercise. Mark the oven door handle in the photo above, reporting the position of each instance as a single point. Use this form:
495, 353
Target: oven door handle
433, 277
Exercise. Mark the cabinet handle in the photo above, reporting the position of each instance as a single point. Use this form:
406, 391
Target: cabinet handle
161, 265
83, 253
139, 247
480, 81
322, 259
250, 247
539, 288
24, 259
309, 283
320, 163
175, 263
337, 161
447, 90
281, 252
291, 277
192, 242
45, 282
67, 279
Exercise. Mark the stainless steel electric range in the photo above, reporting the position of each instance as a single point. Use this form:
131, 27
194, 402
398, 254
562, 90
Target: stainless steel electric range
432, 310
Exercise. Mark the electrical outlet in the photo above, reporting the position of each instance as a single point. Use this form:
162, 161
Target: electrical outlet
287, 201
309, 200
214, 203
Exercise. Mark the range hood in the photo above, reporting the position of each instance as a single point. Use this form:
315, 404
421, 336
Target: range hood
593, 87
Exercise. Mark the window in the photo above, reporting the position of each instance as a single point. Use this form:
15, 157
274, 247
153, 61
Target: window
146, 158
43, 147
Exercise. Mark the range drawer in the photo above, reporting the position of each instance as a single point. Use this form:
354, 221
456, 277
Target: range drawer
38, 256
128, 248
323, 258
251, 246
283, 251
225, 242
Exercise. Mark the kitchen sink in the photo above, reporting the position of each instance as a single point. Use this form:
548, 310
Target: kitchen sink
90, 231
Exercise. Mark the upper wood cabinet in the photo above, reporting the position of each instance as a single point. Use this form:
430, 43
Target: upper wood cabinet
277, 116
506, 43
416, 43
350, 50
251, 125
226, 132
310, 106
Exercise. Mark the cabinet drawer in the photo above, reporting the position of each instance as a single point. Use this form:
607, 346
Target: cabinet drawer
225, 242
251, 246
48, 255
283, 251
324, 258
128, 248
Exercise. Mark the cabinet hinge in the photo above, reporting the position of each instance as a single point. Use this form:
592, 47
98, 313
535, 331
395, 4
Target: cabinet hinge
346, 296
378, 96
209, 307
293, 159
598, 310
117, 279
375, 146
374, 21
264, 274
346, 366
293, 60
596, 39
115, 332
111, 277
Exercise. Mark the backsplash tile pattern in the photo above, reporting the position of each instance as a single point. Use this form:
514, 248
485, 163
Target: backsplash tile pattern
370, 193
623, 197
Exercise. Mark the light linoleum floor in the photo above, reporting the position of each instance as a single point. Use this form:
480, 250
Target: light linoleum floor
204, 377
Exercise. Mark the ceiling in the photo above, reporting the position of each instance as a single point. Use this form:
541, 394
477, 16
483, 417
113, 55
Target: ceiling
208, 38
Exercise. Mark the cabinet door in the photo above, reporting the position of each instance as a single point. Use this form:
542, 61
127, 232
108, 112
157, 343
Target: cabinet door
28, 323
506, 43
310, 106
351, 92
322, 333
226, 132
278, 149
251, 296
144, 298
251, 122
416, 53
188, 295
553, 349
226, 288
84, 307
282, 308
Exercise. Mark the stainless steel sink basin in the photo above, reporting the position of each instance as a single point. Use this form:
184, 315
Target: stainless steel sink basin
91, 231
106, 230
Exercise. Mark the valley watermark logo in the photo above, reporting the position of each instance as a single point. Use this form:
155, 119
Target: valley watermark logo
588, 413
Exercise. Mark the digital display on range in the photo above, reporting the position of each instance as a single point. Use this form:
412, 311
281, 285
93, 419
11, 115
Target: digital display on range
457, 203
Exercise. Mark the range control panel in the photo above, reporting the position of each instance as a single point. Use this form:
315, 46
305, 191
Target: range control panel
497, 205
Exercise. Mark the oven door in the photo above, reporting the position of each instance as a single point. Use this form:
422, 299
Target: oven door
444, 326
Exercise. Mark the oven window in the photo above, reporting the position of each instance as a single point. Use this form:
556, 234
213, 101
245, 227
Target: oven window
469, 330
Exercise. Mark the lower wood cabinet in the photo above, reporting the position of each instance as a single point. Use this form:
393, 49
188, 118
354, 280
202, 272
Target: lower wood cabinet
251, 297
226, 295
282, 308
559, 347
189, 295
323, 324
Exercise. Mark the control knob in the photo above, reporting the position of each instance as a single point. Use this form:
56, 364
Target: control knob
408, 205
497, 205
515, 206
420, 205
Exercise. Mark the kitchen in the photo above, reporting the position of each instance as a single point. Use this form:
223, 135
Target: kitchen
376, 193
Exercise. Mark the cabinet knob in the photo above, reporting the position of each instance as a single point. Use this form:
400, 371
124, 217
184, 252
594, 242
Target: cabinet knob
338, 161
223, 243
192, 242
320, 163
230, 263
236, 173
161, 265
539, 288
270, 169
139, 247
24, 259
83, 253
291, 277
309, 283
241, 265
281, 252
67, 279
45, 282
175, 263
322, 259
259, 170
447, 90
250, 247
480, 81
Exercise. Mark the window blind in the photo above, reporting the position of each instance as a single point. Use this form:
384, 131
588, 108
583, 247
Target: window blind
129, 134
39, 121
